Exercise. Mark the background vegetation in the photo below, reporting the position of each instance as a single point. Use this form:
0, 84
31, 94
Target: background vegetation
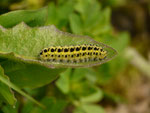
119, 86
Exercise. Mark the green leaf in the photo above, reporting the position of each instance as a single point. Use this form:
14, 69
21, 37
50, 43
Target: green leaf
95, 20
75, 24
31, 17
78, 74
52, 17
5, 90
91, 108
82, 89
78, 110
65, 10
29, 75
87, 8
59, 14
119, 42
27, 43
63, 83
5, 81
94, 97
10, 109
53, 105
102, 24
72, 81
27, 108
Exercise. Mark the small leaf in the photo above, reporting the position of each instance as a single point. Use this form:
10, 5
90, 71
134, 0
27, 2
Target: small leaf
78, 74
78, 110
91, 108
27, 108
52, 17
75, 24
53, 105
102, 25
95, 97
58, 14
63, 83
31, 17
10, 109
82, 89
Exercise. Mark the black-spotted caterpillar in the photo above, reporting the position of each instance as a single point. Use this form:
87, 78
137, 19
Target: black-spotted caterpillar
73, 54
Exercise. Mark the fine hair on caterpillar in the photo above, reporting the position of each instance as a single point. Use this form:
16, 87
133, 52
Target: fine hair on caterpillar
73, 54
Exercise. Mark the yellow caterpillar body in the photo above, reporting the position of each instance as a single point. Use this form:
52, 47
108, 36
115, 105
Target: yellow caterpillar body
73, 54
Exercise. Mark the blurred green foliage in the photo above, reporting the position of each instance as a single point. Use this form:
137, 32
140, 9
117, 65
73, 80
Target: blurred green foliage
79, 89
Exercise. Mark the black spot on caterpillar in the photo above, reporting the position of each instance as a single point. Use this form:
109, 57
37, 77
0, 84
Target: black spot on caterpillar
73, 54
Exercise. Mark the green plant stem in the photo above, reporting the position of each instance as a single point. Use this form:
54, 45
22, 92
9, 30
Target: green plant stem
11, 85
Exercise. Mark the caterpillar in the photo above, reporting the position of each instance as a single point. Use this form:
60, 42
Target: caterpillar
73, 54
